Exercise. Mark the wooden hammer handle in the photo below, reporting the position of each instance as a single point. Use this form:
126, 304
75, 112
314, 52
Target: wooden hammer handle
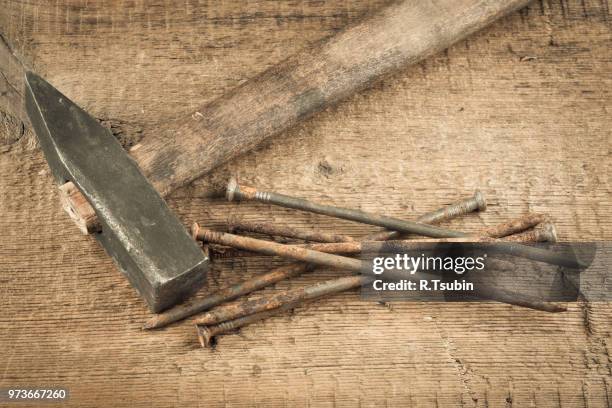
331, 70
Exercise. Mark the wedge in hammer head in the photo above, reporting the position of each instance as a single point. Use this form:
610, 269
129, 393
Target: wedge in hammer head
147, 241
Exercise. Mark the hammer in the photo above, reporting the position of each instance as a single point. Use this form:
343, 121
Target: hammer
118, 195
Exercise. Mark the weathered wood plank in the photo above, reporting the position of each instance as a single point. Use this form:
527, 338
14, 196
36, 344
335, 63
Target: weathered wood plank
520, 111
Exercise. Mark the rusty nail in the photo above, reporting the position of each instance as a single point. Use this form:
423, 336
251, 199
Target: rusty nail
545, 232
228, 318
507, 231
289, 298
230, 293
276, 249
351, 248
318, 253
284, 272
513, 226
236, 225
206, 334
493, 245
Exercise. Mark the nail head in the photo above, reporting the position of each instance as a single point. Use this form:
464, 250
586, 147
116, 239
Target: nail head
550, 231
195, 230
204, 336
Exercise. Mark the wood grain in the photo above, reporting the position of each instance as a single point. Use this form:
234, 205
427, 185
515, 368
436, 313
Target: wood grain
304, 84
405, 32
520, 111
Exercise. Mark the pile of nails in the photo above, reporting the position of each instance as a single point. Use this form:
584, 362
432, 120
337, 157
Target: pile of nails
323, 249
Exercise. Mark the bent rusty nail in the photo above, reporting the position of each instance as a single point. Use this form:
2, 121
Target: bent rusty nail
236, 225
545, 232
284, 272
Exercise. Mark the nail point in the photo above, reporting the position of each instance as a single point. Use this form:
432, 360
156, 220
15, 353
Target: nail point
150, 324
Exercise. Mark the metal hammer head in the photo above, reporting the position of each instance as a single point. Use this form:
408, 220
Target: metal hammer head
148, 242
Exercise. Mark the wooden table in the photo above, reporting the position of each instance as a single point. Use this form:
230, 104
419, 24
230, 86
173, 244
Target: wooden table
521, 111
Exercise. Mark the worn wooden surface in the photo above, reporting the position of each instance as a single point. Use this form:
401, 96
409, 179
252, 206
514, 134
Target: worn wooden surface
305, 83
308, 82
521, 110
